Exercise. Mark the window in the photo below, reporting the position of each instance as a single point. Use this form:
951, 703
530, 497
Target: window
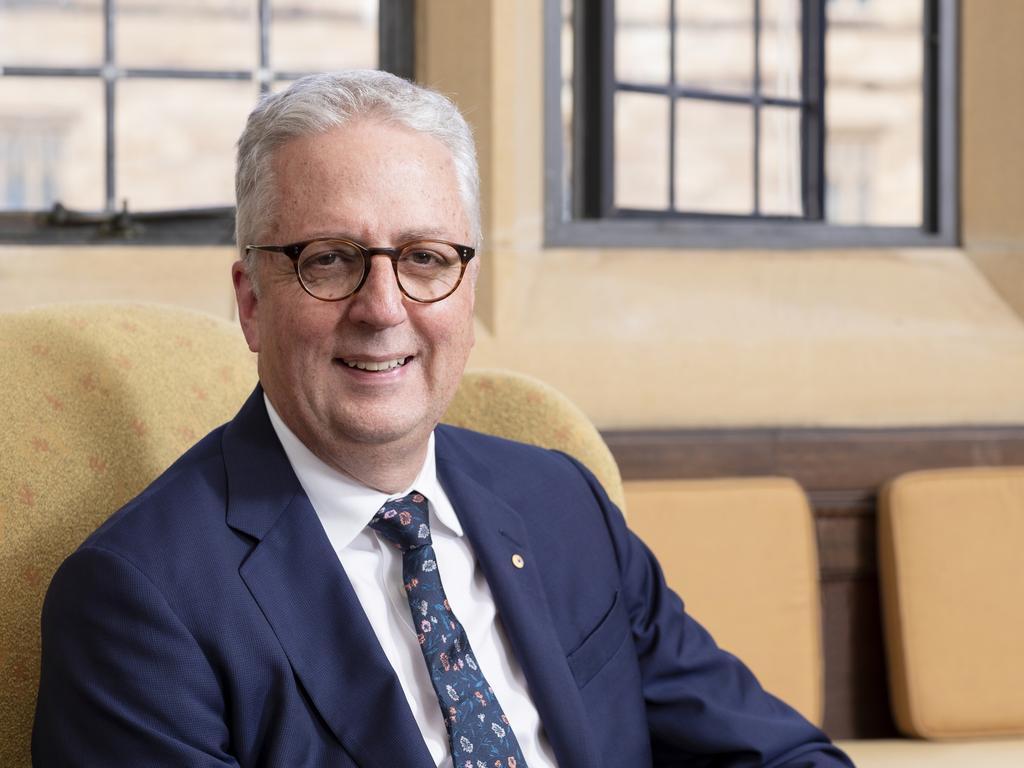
118, 118
751, 123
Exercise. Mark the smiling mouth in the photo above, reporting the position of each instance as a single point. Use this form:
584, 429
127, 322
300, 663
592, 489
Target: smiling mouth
374, 366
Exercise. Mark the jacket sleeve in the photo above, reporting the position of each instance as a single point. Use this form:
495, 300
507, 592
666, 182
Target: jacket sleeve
123, 682
704, 706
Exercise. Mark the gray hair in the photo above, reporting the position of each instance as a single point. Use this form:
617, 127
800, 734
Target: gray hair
316, 104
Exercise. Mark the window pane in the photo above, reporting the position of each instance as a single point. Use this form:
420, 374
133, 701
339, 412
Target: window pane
51, 143
714, 157
78, 27
316, 35
780, 162
715, 44
194, 34
874, 113
641, 151
780, 48
172, 155
642, 42
567, 108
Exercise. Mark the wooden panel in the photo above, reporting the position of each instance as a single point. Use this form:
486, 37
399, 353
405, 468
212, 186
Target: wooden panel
850, 460
842, 471
856, 691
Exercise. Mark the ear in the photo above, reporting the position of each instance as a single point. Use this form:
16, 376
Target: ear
248, 305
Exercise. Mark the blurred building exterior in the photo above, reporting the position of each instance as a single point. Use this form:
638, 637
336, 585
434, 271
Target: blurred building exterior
173, 136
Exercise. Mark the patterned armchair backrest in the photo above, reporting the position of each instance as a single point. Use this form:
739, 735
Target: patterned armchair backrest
97, 400
519, 407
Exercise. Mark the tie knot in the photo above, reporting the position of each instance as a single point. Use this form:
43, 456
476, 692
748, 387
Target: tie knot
404, 522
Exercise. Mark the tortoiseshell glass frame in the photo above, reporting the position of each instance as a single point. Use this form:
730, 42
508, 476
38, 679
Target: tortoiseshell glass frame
294, 250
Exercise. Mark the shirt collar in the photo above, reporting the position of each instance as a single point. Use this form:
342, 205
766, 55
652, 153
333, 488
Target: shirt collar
345, 502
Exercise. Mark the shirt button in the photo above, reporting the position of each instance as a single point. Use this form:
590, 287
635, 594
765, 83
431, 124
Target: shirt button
517, 560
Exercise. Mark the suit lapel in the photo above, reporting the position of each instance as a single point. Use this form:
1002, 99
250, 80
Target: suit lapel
497, 533
294, 575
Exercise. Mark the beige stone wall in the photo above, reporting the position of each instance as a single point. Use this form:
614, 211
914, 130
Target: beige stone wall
661, 338
993, 144
198, 278
686, 338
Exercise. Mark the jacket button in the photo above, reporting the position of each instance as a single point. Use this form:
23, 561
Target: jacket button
517, 560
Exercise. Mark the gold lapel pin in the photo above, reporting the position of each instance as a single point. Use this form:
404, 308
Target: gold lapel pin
517, 560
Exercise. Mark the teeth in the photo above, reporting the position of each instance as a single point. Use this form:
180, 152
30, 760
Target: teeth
369, 365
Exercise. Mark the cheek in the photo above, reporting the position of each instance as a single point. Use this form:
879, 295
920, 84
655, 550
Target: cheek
469, 333
296, 335
446, 337
458, 337
468, 321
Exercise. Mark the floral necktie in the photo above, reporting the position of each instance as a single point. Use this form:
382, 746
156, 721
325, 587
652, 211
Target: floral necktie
478, 731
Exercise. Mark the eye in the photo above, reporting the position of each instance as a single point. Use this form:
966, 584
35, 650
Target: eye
423, 257
324, 259
330, 255
429, 256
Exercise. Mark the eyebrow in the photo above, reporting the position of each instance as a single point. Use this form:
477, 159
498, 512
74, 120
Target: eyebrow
405, 236
421, 234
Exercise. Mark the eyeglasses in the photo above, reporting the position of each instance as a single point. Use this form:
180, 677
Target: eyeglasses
332, 269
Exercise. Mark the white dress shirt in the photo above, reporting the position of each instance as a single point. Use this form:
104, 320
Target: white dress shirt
345, 507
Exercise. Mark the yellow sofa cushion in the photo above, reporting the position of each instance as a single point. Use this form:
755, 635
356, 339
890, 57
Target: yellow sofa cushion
742, 554
97, 400
914, 753
951, 562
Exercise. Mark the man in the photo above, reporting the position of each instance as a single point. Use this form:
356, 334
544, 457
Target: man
274, 599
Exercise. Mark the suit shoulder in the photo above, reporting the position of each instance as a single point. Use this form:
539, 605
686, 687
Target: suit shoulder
192, 482
492, 447
509, 463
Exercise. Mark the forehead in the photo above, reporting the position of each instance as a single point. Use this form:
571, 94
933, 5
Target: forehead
367, 179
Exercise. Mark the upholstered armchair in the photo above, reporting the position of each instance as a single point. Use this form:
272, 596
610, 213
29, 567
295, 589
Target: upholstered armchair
101, 398
98, 400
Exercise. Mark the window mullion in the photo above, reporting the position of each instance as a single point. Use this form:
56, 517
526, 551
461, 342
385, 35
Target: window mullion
109, 73
593, 125
672, 100
757, 108
397, 40
263, 71
930, 128
812, 115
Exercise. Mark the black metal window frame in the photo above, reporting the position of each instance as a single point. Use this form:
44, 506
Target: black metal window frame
585, 215
197, 226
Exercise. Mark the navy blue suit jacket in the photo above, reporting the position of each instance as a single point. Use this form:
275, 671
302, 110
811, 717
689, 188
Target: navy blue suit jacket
209, 623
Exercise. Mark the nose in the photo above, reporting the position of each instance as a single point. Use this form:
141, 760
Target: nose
379, 303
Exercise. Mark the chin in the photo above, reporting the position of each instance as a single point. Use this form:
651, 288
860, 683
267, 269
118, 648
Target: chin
381, 431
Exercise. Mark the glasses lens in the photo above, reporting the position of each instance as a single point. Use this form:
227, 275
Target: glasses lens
429, 270
330, 269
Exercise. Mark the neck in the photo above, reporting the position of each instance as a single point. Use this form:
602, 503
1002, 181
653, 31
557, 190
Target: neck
385, 468
389, 466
